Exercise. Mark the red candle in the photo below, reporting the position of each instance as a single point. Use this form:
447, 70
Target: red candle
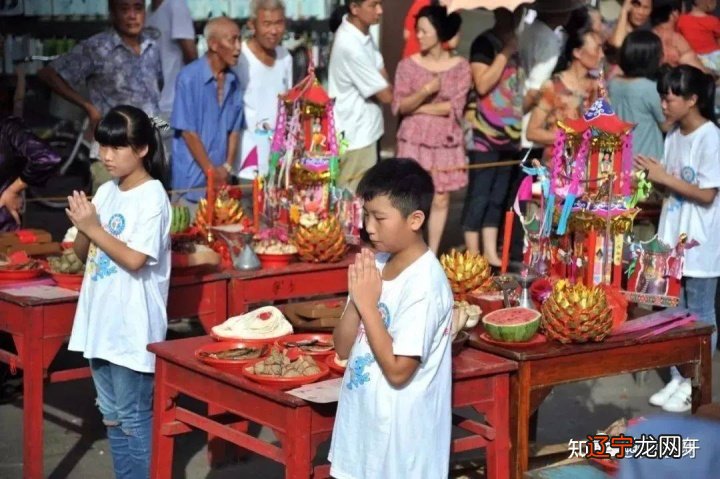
590, 243
256, 204
507, 235
210, 196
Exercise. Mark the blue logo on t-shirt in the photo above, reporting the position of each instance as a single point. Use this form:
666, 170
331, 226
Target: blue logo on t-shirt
358, 376
116, 225
99, 264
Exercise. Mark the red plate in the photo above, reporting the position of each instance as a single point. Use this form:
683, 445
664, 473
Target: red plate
20, 274
285, 383
256, 341
229, 365
68, 281
295, 338
335, 367
536, 340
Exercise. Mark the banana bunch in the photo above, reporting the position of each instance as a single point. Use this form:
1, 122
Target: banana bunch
467, 272
68, 263
577, 296
180, 219
322, 242
228, 211
576, 313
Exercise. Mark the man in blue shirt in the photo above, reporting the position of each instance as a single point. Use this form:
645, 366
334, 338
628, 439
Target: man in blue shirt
208, 113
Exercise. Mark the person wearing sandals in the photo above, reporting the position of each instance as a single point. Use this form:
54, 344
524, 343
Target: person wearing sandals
494, 114
431, 88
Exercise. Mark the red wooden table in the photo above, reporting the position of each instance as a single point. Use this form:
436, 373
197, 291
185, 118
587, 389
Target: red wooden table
481, 381
546, 365
40, 327
297, 280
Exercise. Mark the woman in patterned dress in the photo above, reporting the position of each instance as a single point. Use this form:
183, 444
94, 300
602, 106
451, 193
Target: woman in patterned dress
430, 92
571, 91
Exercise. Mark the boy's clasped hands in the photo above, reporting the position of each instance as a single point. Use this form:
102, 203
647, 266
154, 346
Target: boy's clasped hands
82, 212
364, 281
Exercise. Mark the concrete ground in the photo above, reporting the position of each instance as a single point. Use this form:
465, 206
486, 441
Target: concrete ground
76, 448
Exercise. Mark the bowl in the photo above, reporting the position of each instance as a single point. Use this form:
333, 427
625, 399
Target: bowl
229, 365
68, 281
334, 366
458, 343
488, 302
281, 382
275, 261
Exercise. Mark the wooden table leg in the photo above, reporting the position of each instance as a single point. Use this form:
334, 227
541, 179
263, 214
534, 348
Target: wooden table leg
298, 444
704, 376
219, 293
498, 450
163, 413
236, 299
520, 419
33, 386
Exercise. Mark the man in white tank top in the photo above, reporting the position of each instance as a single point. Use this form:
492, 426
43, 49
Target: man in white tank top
265, 72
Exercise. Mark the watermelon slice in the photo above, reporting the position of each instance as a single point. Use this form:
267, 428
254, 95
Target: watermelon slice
512, 324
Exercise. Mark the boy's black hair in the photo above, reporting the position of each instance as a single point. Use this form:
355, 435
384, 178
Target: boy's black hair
641, 54
127, 125
662, 10
408, 186
686, 81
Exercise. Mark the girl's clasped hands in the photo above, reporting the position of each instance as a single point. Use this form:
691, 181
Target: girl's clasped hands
82, 212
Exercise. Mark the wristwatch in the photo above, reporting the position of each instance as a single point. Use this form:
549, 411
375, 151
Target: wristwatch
228, 167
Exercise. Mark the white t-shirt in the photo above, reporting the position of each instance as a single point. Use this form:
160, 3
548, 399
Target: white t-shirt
353, 79
120, 312
694, 158
173, 22
398, 433
540, 48
261, 85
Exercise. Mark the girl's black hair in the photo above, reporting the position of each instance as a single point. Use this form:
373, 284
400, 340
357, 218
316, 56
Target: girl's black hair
127, 125
577, 28
640, 55
686, 81
446, 25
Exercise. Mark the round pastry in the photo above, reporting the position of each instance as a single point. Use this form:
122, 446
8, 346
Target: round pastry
263, 323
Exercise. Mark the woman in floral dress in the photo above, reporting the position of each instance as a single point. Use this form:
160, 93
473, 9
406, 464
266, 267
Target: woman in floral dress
430, 93
571, 91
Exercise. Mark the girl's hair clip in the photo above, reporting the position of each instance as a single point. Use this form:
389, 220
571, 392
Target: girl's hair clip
159, 123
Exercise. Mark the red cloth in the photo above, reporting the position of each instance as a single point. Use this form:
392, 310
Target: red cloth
412, 46
700, 32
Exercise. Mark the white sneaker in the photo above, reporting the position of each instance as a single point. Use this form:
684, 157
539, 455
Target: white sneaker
681, 401
662, 396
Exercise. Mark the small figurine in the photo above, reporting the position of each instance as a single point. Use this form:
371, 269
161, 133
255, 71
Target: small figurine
318, 144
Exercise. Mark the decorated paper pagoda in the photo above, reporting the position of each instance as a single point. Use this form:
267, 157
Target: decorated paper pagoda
589, 198
304, 155
299, 194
